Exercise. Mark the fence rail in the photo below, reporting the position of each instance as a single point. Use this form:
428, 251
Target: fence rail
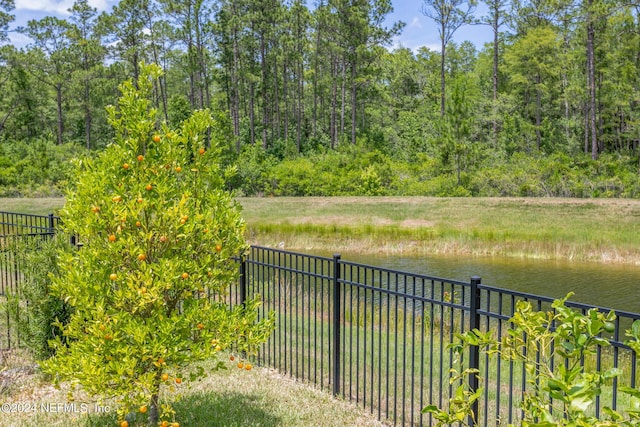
380, 337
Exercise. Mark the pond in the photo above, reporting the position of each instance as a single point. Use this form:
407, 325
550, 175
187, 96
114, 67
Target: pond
614, 286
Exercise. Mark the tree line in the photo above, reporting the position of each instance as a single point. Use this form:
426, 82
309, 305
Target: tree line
560, 78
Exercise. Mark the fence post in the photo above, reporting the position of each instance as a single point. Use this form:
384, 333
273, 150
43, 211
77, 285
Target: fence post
52, 225
243, 279
474, 350
336, 324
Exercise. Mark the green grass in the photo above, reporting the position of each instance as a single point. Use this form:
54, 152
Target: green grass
260, 397
575, 229
602, 230
35, 206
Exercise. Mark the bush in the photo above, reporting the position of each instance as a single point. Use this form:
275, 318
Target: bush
147, 288
39, 315
552, 347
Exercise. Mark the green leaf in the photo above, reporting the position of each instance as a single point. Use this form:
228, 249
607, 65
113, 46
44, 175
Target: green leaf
581, 403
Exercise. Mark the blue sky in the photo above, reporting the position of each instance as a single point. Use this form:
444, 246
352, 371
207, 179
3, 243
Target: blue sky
422, 31
419, 30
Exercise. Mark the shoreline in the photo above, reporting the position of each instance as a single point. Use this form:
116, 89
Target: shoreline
585, 230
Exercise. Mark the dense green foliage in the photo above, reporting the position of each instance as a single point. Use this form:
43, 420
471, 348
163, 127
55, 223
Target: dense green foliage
315, 102
556, 349
147, 290
39, 319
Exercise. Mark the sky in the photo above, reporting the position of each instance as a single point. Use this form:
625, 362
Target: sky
419, 30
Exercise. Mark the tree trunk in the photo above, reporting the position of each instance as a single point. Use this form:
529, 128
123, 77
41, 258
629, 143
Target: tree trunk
343, 101
235, 98
285, 100
538, 112
334, 101
443, 46
591, 84
154, 415
60, 114
252, 115
265, 102
316, 71
87, 112
353, 101
496, 45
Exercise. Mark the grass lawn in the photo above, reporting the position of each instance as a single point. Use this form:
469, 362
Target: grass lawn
601, 230
260, 397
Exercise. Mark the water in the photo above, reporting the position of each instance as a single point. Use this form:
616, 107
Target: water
607, 285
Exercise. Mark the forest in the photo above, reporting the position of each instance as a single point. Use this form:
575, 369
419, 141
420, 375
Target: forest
316, 101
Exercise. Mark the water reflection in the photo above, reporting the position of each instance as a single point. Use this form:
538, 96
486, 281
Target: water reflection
608, 285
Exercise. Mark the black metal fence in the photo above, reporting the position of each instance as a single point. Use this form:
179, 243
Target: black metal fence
380, 337
17, 231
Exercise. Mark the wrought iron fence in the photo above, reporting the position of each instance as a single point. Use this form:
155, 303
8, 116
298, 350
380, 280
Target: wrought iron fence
17, 231
380, 337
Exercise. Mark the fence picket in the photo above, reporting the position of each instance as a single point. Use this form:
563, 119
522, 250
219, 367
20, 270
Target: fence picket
366, 332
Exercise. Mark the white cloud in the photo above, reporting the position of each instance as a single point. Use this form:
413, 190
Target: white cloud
415, 23
47, 6
413, 44
58, 8
19, 40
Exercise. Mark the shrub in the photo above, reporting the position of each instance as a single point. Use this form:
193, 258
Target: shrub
39, 314
552, 347
158, 233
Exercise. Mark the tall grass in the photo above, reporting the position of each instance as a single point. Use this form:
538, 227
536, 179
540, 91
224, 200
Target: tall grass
578, 229
603, 230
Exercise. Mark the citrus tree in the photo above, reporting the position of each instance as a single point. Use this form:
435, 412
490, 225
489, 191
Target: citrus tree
147, 286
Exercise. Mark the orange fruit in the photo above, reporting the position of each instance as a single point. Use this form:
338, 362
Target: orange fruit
113, 276
248, 366
95, 209
232, 358
116, 199
178, 380
140, 158
218, 248
108, 337
112, 238
164, 424
142, 257
143, 290
200, 326
124, 423
160, 361
139, 200
165, 377
138, 224
240, 365
125, 166
201, 151
178, 169
156, 138
175, 425
163, 239
143, 409
185, 275
149, 187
